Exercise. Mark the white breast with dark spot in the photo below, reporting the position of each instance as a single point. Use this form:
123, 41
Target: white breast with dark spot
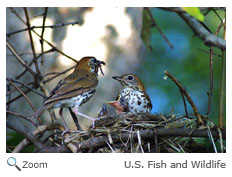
136, 99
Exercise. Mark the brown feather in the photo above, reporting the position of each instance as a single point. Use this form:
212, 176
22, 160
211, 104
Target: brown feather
73, 85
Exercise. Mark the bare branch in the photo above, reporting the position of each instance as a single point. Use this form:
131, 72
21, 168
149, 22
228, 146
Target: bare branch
208, 38
45, 26
17, 56
157, 27
199, 119
32, 42
42, 36
24, 95
19, 115
33, 90
20, 129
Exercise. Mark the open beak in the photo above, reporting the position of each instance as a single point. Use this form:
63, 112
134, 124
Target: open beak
117, 106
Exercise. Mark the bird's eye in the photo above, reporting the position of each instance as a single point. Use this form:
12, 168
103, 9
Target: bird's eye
130, 77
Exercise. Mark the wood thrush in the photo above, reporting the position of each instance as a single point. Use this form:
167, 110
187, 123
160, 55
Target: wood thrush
134, 93
76, 89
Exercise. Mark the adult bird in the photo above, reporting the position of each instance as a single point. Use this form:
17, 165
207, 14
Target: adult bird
134, 93
74, 90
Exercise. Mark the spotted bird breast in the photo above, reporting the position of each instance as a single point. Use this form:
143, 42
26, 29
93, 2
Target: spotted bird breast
137, 100
78, 100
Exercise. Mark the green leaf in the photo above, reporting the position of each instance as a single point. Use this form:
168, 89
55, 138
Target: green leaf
195, 12
146, 29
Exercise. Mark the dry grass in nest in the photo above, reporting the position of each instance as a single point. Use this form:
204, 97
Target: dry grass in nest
134, 133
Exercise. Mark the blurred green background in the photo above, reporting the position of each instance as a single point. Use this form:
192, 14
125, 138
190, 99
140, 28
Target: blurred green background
114, 35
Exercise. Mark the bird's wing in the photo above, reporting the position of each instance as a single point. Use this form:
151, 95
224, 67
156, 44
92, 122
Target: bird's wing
73, 85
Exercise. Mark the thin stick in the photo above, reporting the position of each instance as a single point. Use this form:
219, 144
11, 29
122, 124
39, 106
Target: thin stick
199, 119
185, 106
223, 86
22, 94
33, 90
31, 41
46, 26
17, 97
210, 92
217, 55
55, 48
19, 115
13, 10
41, 40
17, 56
157, 27
25, 71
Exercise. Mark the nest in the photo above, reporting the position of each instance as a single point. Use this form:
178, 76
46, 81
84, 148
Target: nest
134, 133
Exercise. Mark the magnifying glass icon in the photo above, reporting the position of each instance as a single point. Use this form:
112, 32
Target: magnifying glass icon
11, 161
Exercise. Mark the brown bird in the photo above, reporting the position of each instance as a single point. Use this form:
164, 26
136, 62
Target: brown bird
76, 89
134, 93
112, 108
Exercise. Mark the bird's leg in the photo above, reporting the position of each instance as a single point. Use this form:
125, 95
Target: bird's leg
88, 117
65, 125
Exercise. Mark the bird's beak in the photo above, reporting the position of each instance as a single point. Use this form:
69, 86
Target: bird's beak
116, 105
117, 78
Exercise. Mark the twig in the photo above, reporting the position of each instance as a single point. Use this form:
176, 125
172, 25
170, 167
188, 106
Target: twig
208, 38
13, 10
223, 86
21, 61
199, 119
185, 106
209, 52
41, 40
33, 90
19, 115
25, 141
222, 92
17, 97
32, 42
210, 92
53, 46
22, 94
26, 134
46, 26
24, 72
157, 27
